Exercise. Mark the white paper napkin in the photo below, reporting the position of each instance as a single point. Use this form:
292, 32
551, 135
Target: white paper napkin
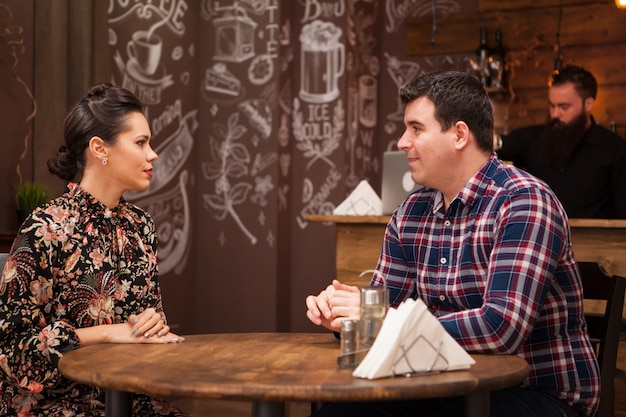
412, 340
362, 201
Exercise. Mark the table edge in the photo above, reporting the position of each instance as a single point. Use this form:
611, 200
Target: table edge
324, 392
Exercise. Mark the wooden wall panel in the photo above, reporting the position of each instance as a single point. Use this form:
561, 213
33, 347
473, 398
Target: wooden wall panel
604, 61
490, 5
588, 24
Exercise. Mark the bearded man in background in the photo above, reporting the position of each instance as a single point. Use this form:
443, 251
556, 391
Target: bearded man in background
583, 162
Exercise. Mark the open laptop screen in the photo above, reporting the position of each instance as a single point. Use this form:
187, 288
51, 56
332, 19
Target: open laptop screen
397, 183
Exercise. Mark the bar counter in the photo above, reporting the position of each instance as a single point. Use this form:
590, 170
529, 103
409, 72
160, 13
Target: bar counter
359, 240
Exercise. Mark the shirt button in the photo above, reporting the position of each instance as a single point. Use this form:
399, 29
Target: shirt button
447, 223
442, 297
443, 261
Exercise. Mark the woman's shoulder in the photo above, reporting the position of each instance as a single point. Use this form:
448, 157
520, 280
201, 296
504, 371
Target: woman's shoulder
56, 210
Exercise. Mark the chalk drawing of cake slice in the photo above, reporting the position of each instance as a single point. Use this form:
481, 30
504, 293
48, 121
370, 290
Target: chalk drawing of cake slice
219, 80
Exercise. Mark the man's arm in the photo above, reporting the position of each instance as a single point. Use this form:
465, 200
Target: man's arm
529, 242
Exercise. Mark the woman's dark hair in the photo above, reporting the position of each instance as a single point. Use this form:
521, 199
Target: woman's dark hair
102, 112
457, 96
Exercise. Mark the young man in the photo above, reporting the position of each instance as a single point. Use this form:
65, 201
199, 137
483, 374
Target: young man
487, 247
583, 163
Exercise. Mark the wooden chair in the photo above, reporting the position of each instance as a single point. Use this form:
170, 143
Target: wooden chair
604, 329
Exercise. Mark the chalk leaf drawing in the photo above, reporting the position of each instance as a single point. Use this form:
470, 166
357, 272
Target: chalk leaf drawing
311, 146
229, 162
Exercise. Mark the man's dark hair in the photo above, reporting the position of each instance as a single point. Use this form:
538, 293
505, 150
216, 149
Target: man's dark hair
584, 81
457, 96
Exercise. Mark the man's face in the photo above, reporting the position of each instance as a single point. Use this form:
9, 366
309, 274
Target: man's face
565, 104
427, 148
569, 120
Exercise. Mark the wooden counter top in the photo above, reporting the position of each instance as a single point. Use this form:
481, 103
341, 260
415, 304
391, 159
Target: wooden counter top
331, 218
383, 219
359, 240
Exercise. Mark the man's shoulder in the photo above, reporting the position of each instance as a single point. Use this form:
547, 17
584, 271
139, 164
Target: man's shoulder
530, 192
513, 179
599, 133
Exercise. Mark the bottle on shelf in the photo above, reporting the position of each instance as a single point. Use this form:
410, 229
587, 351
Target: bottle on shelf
496, 62
482, 54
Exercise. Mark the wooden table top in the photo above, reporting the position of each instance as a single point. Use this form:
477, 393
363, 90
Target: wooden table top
384, 219
268, 367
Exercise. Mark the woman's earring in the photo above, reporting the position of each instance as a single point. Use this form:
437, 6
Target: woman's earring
104, 161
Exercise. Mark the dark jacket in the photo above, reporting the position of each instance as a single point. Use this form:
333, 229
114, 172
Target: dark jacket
592, 185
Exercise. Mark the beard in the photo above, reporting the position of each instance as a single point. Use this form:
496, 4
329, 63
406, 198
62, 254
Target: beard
560, 141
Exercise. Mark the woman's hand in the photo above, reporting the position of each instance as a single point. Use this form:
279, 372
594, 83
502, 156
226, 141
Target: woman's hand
150, 325
334, 304
146, 327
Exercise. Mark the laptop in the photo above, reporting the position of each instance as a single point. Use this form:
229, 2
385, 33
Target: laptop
397, 183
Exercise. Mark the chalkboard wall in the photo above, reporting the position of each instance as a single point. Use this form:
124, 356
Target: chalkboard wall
264, 111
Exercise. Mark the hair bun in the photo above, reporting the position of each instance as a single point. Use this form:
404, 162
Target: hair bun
98, 90
64, 165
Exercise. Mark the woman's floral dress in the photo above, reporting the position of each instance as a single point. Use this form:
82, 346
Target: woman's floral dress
74, 264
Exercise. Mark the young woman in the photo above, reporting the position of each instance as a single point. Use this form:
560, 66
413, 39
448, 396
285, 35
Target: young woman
83, 268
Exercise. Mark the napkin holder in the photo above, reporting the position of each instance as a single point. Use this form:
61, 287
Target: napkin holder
403, 366
412, 341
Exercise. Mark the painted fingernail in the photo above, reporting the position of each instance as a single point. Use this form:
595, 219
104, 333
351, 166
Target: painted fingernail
160, 333
135, 319
146, 334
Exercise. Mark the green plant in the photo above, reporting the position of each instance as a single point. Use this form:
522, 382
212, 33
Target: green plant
29, 195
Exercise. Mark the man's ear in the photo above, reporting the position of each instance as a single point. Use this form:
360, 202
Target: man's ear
98, 148
462, 133
589, 103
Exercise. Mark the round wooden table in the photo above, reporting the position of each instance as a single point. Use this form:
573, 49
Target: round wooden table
269, 369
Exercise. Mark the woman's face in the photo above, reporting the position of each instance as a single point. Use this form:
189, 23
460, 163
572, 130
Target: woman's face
129, 161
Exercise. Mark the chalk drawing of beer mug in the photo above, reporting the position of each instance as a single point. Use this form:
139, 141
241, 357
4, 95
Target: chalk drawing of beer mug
322, 62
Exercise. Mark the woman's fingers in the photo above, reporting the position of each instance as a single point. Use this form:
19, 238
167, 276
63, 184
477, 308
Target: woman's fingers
147, 323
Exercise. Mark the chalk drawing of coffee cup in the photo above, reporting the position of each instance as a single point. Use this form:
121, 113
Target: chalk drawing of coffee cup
322, 62
145, 49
